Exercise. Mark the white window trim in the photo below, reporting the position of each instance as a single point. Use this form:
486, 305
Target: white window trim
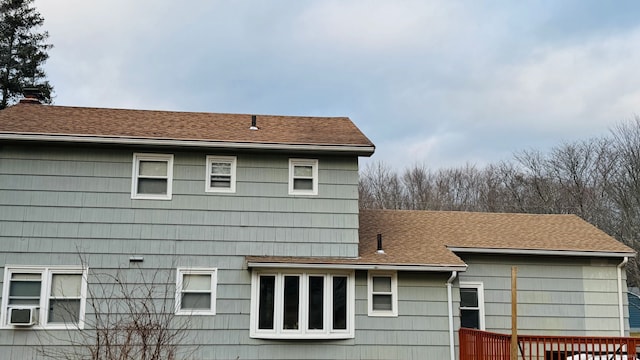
303, 162
45, 294
137, 157
394, 293
196, 271
302, 332
479, 286
232, 187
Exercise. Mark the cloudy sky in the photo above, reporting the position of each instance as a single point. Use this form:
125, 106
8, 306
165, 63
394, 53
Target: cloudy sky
441, 82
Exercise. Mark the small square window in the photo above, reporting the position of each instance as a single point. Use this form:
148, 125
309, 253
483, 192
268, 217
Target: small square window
196, 291
303, 177
152, 176
383, 294
221, 174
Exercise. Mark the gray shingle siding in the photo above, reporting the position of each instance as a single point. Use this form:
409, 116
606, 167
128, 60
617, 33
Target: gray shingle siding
61, 203
556, 296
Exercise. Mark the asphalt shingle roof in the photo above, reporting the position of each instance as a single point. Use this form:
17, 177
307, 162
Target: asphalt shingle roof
426, 238
34, 118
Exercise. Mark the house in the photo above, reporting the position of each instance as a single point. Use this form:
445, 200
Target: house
253, 222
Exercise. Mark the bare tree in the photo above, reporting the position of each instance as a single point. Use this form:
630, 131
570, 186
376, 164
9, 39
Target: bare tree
380, 188
539, 190
418, 183
625, 189
130, 315
458, 188
493, 195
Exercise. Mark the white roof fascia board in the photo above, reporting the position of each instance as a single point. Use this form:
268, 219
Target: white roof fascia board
412, 267
360, 150
540, 252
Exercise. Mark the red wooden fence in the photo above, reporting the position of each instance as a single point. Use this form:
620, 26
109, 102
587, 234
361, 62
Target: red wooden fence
484, 345
477, 344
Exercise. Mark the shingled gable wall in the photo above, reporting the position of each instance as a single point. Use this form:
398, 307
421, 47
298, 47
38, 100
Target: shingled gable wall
573, 296
61, 200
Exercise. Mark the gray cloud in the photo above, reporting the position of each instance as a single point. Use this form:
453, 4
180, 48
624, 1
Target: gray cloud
435, 82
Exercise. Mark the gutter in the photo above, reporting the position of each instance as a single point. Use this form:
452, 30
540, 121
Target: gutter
620, 299
454, 268
364, 150
540, 252
452, 345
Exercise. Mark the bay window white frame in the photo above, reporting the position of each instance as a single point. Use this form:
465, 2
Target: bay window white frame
393, 293
46, 280
180, 272
278, 332
313, 163
232, 160
135, 175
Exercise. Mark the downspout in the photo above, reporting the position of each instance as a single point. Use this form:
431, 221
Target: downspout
620, 300
452, 344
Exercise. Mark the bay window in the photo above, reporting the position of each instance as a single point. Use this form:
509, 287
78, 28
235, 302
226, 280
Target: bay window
302, 305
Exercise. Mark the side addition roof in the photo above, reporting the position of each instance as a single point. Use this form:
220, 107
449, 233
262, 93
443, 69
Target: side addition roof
434, 237
33, 121
432, 240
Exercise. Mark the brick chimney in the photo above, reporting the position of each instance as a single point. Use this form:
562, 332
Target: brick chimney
32, 95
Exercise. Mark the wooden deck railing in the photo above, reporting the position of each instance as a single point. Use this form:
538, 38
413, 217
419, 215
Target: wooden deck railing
477, 344
484, 345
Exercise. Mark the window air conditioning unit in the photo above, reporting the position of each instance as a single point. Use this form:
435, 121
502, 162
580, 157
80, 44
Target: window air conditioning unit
22, 316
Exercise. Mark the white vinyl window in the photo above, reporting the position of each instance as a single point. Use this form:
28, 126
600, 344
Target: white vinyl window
44, 297
383, 293
303, 177
221, 174
196, 291
472, 305
302, 305
152, 176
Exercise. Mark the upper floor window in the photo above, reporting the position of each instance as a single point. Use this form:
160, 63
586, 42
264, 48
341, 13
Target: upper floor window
46, 297
221, 174
303, 177
302, 305
472, 305
383, 293
196, 291
152, 176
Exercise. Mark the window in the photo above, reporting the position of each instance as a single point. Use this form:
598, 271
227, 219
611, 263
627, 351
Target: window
221, 174
302, 305
383, 294
303, 177
472, 305
55, 295
196, 291
152, 176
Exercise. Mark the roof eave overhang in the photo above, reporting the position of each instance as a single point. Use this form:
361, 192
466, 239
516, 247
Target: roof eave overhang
611, 254
348, 266
359, 150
